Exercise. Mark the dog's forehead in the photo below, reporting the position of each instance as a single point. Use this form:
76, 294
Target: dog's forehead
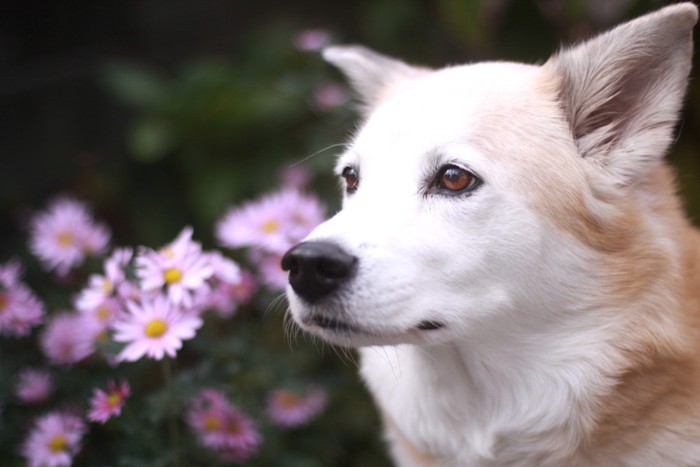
449, 106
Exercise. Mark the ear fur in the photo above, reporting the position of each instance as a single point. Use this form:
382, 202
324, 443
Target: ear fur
369, 73
622, 91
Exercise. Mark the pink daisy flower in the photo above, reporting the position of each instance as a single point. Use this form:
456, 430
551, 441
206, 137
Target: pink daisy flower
288, 408
296, 177
103, 287
312, 40
270, 269
54, 440
273, 223
223, 269
64, 234
225, 297
154, 328
34, 386
180, 267
329, 96
222, 427
10, 273
67, 339
223, 285
101, 318
20, 309
106, 404
130, 291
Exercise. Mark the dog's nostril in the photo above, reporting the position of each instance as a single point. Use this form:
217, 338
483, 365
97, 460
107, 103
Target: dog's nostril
317, 268
289, 263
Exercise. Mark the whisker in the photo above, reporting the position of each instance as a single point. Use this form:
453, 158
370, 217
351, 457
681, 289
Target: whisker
274, 304
317, 153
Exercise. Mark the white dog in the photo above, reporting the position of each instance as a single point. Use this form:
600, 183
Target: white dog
512, 258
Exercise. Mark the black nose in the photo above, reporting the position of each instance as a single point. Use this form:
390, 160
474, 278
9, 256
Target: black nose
317, 268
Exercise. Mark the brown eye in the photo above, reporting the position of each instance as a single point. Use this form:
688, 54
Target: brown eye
352, 178
456, 179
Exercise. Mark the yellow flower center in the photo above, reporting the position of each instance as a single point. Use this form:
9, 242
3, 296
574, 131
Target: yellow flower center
156, 328
234, 427
172, 275
114, 399
102, 313
289, 400
271, 226
107, 286
3, 302
211, 423
58, 443
65, 239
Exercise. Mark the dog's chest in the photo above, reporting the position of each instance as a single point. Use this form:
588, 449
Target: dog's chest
416, 403
437, 410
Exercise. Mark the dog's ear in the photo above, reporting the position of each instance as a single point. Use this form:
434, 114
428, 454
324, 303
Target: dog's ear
622, 91
370, 74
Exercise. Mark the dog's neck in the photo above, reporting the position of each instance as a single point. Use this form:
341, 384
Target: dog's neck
475, 401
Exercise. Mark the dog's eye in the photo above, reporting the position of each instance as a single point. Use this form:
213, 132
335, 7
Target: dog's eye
352, 178
455, 179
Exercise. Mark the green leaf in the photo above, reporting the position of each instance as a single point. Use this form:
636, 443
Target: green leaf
151, 140
133, 85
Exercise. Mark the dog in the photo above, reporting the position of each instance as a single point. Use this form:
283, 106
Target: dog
512, 259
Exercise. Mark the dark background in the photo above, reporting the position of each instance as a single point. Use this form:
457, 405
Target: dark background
66, 127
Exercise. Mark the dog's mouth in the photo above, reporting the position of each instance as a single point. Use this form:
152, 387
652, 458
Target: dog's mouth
338, 326
333, 325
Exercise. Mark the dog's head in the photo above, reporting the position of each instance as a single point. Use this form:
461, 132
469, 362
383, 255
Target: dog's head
486, 196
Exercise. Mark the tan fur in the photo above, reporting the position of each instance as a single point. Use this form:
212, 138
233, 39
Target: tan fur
660, 374
415, 456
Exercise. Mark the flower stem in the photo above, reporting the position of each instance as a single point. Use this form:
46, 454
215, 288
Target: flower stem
173, 431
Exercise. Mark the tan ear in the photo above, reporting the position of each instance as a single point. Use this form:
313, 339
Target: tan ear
622, 91
370, 74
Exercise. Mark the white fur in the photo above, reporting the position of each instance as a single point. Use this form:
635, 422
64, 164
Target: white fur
530, 342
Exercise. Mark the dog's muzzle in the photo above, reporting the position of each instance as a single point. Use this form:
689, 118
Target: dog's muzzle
316, 269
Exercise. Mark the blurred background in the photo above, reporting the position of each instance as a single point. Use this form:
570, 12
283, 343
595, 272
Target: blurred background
163, 113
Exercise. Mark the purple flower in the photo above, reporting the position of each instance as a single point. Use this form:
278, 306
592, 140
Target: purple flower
106, 404
273, 223
20, 309
180, 267
103, 287
67, 339
223, 427
101, 318
154, 328
288, 408
225, 297
329, 96
271, 273
296, 177
64, 234
34, 386
54, 440
10, 273
312, 40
